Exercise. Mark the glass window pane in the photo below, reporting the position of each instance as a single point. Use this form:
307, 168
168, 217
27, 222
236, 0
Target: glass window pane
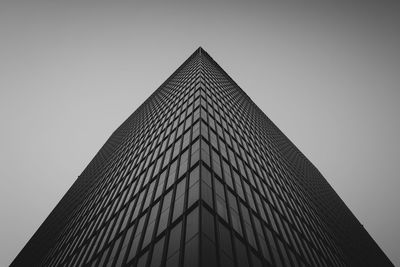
221, 207
256, 260
164, 213
172, 174
193, 194
206, 194
194, 176
195, 153
114, 251
225, 261
178, 208
235, 219
207, 224
241, 253
219, 189
174, 239
206, 190
142, 260
227, 174
273, 247
205, 152
149, 234
192, 224
183, 165
180, 189
173, 261
192, 252
209, 255
160, 185
132, 252
157, 253
225, 241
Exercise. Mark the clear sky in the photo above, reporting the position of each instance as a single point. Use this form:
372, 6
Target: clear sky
326, 72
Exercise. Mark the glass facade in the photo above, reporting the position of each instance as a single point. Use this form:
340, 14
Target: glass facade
199, 176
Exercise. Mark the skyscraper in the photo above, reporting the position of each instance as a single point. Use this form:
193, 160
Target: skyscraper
199, 176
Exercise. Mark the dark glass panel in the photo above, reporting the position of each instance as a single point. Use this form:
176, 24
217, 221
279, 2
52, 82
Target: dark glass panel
173, 261
149, 234
274, 249
142, 260
225, 241
206, 191
205, 152
209, 254
114, 251
195, 153
192, 252
256, 260
192, 223
207, 224
241, 253
179, 199
174, 239
225, 261
235, 219
157, 253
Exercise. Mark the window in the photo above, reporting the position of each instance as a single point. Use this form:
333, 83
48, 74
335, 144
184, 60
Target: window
220, 201
238, 184
114, 250
262, 240
136, 239
174, 240
142, 260
195, 156
183, 165
193, 186
225, 241
186, 140
192, 252
157, 253
205, 152
149, 195
234, 211
171, 175
160, 185
241, 253
216, 163
209, 257
227, 174
273, 247
207, 224
176, 148
164, 213
247, 226
125, 245
192, 224
150, 225
179, 199
196, 128
213, 139
206, 186
167, 156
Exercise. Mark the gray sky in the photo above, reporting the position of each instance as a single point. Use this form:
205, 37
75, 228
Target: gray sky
71, 72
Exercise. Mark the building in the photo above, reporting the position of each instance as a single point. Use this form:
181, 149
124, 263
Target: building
199, 176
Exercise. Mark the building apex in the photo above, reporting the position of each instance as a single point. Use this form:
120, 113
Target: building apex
199, 50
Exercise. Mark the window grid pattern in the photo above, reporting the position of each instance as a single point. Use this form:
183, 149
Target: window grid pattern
197, 176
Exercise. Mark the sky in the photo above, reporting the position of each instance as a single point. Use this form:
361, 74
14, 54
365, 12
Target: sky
327, 73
